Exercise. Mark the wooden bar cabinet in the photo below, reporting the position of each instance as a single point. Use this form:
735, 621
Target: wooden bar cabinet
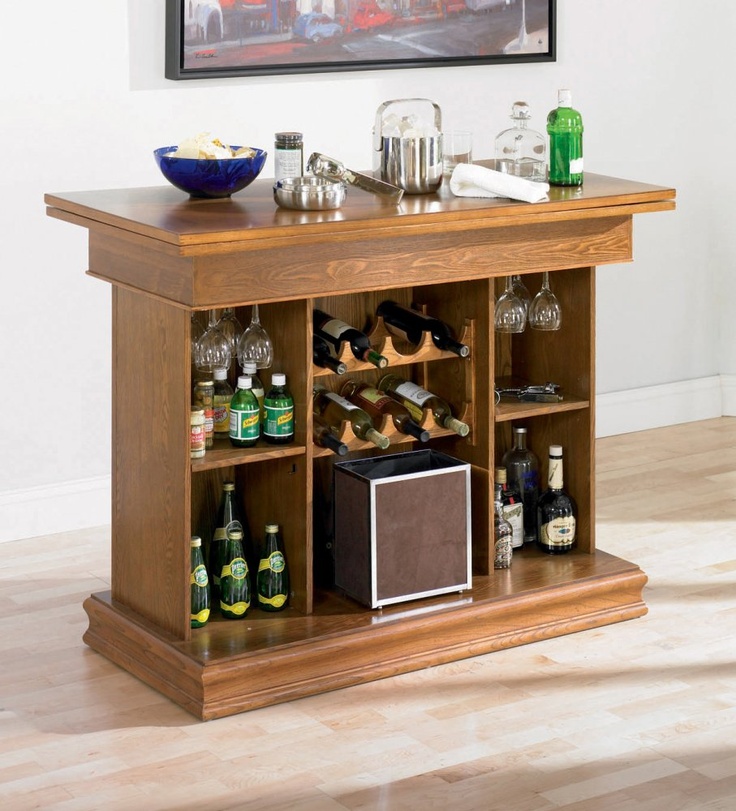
167, 257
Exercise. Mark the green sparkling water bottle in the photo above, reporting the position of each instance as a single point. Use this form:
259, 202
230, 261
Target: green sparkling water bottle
245, 415
278, 409
273, 575
199, 587
565, 130
235, 594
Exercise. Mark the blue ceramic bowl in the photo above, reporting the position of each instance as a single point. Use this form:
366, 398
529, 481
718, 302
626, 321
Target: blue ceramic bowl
209, 178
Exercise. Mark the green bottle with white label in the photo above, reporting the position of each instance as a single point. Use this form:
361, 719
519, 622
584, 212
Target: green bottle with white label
565, 130
273, 575
245, 415
278, 410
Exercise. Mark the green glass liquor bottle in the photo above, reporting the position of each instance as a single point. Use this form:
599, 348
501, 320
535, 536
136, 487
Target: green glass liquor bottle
235, 591
199, 610
278, 409
273, 574
565, 130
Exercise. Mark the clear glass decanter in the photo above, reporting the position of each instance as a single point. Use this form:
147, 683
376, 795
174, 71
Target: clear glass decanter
522, 151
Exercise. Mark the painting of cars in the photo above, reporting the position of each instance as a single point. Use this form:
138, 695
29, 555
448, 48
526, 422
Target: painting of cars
316, 27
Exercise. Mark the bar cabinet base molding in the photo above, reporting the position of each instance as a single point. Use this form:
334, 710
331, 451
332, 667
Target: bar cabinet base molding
210, 676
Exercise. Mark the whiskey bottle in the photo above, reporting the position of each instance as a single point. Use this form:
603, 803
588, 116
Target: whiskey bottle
416, 400
336, 333
377, 404
502, 534
556, 510
411, 325
511, 507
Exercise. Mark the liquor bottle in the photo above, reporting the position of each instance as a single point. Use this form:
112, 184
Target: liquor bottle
503, 549
227, 519
251, 370
511, 507
321, 356
565, 129
278, 408
522, 473
235, 586
522, 151
336, 333
323, 436
416, 400
273, 573
335, 410
199, 589
556, 510
223, 396
245, 415
377, 404
412, 324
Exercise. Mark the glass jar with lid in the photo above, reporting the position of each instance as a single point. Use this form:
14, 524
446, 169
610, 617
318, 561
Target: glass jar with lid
522, 151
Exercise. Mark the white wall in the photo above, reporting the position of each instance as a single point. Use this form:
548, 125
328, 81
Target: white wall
87, 103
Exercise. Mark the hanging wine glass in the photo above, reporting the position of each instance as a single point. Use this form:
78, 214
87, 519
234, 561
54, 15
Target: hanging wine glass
545, 312
231, 328
518, 286
197, 331
254, 344
510, 315
213, 349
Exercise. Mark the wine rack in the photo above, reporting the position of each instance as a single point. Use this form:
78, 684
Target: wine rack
166, 257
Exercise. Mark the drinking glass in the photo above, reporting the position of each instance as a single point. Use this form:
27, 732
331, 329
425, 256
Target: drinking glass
197, 331
231, 329
545, 312
510, 315
457, 147
212, 350
255, 344
518, 286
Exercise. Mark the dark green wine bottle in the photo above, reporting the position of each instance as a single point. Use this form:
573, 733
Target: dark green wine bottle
235, 591
199, 611
273, 574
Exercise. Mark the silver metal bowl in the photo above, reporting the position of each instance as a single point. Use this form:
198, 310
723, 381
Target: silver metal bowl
309, 193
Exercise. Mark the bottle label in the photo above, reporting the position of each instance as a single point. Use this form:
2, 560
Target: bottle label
276, 601
199, 576
237, 608
237, 569
335, 328
197, 440
275, 562
576, 166
514, 514
221, 533
279, 420
200, 617
373, 396
245, 424
346, 404
559, 531
221, 415
413, 392
554, 476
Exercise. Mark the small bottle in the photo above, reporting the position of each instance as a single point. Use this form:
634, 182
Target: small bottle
522, 151
196, 433
377, 404
511, 507
565, 129
223, 396
288, 155
411, 325
245, 415
336, 333
323, 357
278, 409
556, 510
204, 397
522, 473
416, 400
235, 587
323, 436
335, 410
251, 370
502, 534
199, 589
273, 573
228, 519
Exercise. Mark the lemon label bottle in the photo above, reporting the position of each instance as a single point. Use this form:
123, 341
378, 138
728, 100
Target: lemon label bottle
273, 575
199, 586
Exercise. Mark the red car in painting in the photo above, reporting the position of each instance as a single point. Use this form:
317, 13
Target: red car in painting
368, 14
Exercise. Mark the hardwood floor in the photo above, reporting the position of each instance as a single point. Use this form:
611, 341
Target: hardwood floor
638, 716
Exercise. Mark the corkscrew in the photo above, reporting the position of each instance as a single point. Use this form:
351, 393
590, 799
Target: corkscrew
542, 393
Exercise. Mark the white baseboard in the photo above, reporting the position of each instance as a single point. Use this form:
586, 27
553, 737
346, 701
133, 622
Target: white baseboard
86, 503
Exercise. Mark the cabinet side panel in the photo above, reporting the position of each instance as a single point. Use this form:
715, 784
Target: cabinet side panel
151, 468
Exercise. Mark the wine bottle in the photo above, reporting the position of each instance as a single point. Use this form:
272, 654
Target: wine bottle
273, 573
278, 408
321, 356
412, 324
522, 473
511, 507
227, 519
235, 586
335, 410
322, 435
199, 589
377, 403
556, 510
503, 549
416, 399
336, 332
245, 415
565, 130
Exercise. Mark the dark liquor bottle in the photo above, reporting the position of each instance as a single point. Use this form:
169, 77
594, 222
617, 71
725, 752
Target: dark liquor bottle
278, 408
235, 586
412, 324
522, 473
322, 356
227, 520
416, 400
323, 436
335, 410
511, 507
502, 533
273, 574
245, 415
556, 510
336, 333
565, 130
199, 589
377, 404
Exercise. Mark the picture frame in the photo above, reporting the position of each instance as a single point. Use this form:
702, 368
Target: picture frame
228, 38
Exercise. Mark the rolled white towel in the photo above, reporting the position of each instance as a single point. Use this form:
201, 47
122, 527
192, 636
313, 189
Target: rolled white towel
471, 180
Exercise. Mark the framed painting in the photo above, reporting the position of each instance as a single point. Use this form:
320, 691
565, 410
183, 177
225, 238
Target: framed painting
219, 38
